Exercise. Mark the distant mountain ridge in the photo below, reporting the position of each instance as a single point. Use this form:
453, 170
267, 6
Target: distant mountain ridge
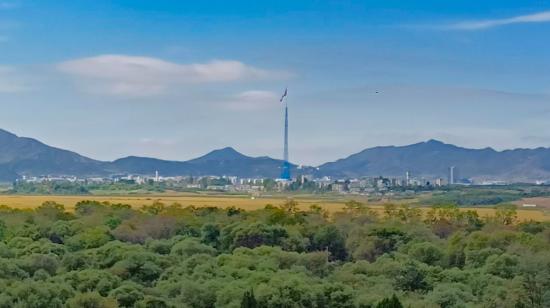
20, 155
433, 159
226, 161
26, 156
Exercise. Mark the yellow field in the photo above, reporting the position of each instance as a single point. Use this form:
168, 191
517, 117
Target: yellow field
332, 205
244, 202
540, 202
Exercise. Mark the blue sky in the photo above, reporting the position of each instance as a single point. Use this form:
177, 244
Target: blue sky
176, 79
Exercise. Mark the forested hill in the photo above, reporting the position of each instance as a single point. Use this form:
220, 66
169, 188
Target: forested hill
20, 155
25, 156
433, 158
103, 255
226, 161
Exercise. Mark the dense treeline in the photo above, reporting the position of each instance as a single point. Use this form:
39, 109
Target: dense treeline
77, 188
131, 187
109, 255
484, 195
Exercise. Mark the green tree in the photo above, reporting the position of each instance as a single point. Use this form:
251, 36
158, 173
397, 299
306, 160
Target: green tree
249, 300
52, 211
426, 252
210, 234
89, 238
127, 294
390, 302
506, 214
411, 278
91, 300
3, 230
330, 239
252, 235
191, 246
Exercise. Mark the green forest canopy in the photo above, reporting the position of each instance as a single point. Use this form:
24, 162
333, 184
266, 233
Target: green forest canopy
110, 255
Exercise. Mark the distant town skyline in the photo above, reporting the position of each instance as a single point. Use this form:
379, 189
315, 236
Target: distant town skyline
175, 80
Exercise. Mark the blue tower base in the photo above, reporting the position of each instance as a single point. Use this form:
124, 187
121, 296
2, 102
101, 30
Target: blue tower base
285, 172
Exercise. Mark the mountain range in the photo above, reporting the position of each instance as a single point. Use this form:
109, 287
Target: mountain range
26, 156
433, 158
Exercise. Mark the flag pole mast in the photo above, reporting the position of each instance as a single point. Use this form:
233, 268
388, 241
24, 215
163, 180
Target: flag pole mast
285, 172
286, 132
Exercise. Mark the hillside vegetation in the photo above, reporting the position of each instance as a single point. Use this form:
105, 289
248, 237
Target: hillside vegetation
110, 255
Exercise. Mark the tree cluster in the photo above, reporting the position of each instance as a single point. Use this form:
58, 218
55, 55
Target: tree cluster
110, 255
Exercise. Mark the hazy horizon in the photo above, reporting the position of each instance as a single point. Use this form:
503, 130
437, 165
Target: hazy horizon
177, 80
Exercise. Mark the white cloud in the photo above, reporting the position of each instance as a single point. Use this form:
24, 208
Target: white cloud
253, 100
491, 23
10, 81
144, 76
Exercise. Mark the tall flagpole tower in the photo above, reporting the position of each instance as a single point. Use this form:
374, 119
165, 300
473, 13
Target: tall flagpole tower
285, 169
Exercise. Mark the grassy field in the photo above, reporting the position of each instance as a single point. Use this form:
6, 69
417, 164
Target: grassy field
244, 202
331, 204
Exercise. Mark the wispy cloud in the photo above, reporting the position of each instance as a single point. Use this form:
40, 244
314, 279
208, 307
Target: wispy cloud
145, 76
473, 25
253, 100
10, 81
